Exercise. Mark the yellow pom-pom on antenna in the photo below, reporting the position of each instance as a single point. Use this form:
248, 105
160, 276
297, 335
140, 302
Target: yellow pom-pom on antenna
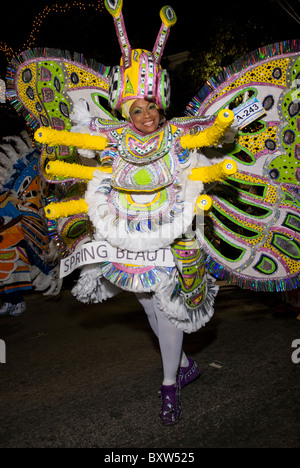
204, 203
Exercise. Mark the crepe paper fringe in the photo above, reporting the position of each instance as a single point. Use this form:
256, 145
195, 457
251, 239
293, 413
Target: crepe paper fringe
47, 54
257, 56
140, 281
244, 282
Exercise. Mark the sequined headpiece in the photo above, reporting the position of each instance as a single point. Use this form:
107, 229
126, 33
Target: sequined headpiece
140, 75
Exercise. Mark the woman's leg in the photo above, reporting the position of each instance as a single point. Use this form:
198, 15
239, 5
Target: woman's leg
170, 342
147, 301
158, 322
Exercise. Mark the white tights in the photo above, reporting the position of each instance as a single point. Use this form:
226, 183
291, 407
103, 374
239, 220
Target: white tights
170, 338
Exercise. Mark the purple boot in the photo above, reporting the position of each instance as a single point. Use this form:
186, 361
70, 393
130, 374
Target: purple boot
187, 375
171, 410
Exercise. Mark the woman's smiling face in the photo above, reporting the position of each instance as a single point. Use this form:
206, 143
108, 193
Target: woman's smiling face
145, 116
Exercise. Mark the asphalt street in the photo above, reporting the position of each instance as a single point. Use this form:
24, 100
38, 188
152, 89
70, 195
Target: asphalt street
87, 376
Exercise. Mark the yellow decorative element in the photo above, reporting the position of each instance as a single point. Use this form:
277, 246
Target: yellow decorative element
88, 78
262, 73
131, 202
52, 137
204, 203
22, 88
73, 171
215, 172
155, 143
271, 193
65, 209
167, 21
212, 135
132, 74
257, 143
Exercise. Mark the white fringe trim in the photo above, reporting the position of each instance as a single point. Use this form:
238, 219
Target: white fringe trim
92, 288
116, 231
188, 320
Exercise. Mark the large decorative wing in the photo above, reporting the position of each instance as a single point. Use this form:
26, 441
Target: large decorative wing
252, 234
45, 85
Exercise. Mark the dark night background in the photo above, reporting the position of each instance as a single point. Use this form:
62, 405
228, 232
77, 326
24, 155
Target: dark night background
202, 28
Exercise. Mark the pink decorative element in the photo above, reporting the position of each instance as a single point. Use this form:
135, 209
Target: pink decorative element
132, 269
48, 95
160, 43
123, 40
152, 145
46, 75
58, 124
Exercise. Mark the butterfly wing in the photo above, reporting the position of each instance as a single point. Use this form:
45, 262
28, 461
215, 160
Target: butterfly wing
252, 234
45, 85
268, 145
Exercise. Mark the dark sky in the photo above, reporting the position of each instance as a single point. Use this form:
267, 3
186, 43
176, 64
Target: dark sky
92, 32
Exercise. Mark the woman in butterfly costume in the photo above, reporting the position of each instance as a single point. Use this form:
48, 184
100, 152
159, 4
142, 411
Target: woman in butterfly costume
145, 201
148, 203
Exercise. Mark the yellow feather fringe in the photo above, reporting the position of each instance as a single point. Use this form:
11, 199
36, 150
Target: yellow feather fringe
65, 209
73, 171
212, 135
52, 137
214, 173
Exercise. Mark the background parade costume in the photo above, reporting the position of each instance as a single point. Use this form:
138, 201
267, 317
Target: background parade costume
26, 260
139, 192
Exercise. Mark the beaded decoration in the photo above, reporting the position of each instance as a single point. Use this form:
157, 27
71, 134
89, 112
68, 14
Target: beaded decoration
140, 75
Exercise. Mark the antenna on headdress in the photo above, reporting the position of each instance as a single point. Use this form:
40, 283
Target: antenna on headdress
115, 9
169, 18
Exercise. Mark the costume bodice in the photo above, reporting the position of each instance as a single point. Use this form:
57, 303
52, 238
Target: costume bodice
145, 163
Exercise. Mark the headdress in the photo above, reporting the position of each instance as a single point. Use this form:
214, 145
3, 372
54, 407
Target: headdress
140, 75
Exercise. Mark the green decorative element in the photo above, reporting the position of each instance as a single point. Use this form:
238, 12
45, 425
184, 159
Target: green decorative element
287, 165
77, 229
142, 177
266, 265
240, 154
233, 226
51, 85
293, 222
99, 98
191, 279
114, 7
129, 88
